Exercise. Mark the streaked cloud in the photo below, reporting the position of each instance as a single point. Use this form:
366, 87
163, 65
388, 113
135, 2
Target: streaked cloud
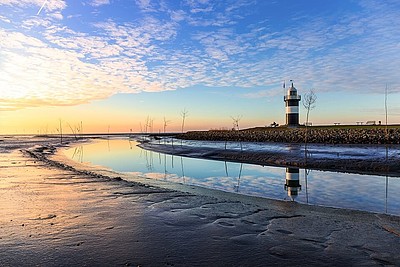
5, 19
51, 5
145, 5
97, 3
36, 74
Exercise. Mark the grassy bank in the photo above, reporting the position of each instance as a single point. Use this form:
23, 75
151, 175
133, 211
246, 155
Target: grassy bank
336, 134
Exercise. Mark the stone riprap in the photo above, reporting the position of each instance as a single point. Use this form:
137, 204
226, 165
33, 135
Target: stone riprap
373, 135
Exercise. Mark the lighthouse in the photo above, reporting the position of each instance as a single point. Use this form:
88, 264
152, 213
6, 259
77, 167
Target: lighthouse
292, 106
292, 182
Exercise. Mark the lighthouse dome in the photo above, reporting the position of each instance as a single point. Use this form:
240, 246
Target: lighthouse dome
292, 90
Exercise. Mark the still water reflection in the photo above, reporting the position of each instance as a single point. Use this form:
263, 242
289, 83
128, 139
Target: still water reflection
354, 191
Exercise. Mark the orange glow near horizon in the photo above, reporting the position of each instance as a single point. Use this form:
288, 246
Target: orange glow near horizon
47, 121
129, 112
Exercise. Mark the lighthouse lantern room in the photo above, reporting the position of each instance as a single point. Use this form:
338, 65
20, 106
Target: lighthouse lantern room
292, 106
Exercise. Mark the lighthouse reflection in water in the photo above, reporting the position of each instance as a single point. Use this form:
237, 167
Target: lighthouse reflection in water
292, 182
344, 190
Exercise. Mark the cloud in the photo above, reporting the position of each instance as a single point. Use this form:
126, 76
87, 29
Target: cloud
56, 15
145, 5
169, 47
53, 8
97, 3
36, 74
51, 5
178, 15
5, 19
34, 22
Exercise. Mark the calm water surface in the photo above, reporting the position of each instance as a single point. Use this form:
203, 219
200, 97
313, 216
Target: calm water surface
354, 191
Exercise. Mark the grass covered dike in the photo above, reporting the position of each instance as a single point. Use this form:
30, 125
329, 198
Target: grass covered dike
337, 134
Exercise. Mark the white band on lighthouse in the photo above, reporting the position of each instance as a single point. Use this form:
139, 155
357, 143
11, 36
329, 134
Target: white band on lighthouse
292, 176
292, 109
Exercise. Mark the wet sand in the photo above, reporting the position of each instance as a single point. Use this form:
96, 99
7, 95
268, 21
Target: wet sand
58, 213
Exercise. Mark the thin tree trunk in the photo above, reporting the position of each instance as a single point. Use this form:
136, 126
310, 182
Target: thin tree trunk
306, 137
61, 136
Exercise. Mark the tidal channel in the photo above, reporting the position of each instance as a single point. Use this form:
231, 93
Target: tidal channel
333, 189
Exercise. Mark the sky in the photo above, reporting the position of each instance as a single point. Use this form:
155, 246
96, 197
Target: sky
117, 65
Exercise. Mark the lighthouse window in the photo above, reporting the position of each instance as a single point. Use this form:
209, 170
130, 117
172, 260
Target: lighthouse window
292, 92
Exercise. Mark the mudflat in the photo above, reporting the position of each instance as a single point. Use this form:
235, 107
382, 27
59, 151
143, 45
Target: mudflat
57, 213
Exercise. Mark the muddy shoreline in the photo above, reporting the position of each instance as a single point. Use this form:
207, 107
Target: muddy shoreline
55, 213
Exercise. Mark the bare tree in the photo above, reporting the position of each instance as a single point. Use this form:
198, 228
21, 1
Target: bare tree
309, 100
73, 130
60, 131
386, 112
386, 147
145, 128
147, 124
184, 114
151, 123
166, 124
236, 121
76, 130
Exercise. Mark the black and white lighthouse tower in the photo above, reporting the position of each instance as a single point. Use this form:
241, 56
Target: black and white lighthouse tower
292, 106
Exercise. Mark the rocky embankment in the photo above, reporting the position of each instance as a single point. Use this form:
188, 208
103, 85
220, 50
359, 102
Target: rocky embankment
298, 135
